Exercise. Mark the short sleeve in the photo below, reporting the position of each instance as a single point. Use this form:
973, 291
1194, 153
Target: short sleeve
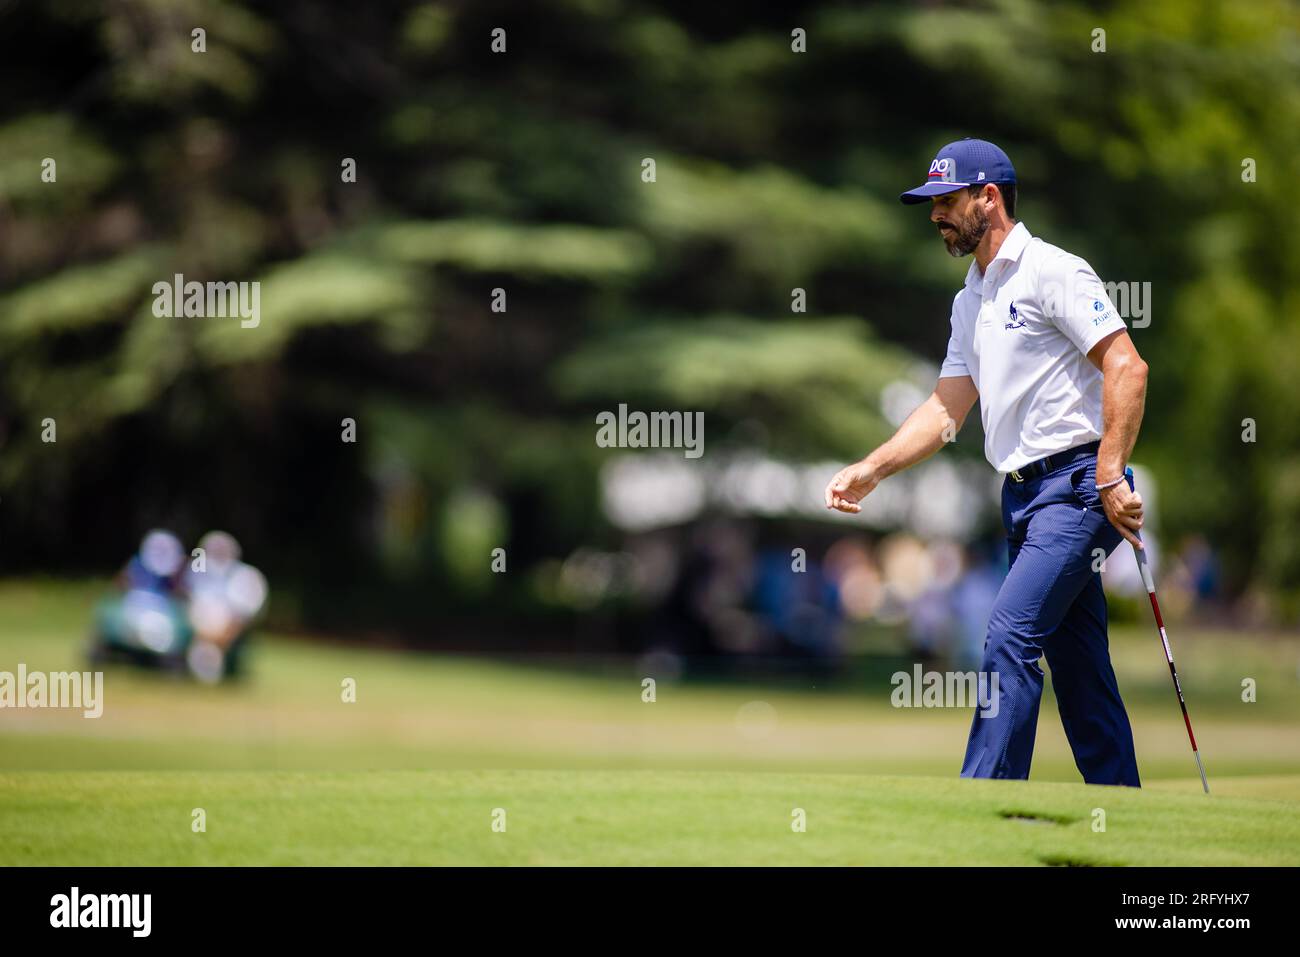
1075, 301
954, 363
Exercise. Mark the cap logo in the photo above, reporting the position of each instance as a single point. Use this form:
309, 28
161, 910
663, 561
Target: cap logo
943, 170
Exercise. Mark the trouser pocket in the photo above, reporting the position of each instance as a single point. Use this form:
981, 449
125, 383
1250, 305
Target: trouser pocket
1083, 482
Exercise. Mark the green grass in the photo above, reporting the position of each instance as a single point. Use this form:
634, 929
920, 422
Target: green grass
622, 817
290, 774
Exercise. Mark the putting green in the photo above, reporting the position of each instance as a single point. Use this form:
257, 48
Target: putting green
289, 772
626, 818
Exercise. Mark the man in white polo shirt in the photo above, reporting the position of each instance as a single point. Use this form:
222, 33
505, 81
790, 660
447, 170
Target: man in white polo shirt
1061, 389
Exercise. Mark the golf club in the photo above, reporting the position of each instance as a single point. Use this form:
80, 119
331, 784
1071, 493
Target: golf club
1150, 584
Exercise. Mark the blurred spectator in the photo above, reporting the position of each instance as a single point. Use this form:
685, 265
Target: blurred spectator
1202, 568
972, 600
155, 566
800, 608
932, 622
852, 568
225, 596
145, 623
705, 609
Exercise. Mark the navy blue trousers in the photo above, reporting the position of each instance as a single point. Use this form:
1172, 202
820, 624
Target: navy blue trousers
1052, 604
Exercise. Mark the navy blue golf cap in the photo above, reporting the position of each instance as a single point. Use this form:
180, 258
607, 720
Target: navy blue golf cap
964, 163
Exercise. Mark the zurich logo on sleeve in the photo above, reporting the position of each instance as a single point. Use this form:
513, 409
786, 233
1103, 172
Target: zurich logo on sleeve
1016, 322
1101, 312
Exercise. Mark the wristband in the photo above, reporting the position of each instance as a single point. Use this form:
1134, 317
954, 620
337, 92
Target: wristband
1110, 484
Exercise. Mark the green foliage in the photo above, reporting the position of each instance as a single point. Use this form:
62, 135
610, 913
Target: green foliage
815, 383
529, 252
320, 289
27, 142
78, 296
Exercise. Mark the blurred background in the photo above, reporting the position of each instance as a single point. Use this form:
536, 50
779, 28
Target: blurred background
515, 178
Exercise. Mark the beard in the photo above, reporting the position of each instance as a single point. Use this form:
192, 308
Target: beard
967, 233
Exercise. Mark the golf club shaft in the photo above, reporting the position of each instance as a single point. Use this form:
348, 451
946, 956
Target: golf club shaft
1150, 584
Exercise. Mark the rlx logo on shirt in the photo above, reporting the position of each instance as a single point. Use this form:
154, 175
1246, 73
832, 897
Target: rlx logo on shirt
1016, 322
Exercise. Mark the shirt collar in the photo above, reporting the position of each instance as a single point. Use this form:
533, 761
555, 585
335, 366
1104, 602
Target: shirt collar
1011, 249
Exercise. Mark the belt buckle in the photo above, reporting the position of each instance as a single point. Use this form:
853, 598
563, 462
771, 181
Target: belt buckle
1015, 474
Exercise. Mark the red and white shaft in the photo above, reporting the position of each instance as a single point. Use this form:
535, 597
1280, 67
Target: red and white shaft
1145, 568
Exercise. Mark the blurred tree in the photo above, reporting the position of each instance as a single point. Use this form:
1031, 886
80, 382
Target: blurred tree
521, 171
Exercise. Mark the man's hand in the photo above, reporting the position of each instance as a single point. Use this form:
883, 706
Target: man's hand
1124, 509
933, 423
850, 486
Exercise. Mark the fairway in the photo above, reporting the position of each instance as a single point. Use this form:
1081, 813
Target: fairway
622, 818
589, 773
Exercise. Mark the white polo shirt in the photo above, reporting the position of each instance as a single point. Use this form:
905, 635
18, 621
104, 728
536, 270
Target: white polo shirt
1022, 332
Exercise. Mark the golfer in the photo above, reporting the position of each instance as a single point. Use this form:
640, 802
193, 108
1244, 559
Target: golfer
1061, 388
